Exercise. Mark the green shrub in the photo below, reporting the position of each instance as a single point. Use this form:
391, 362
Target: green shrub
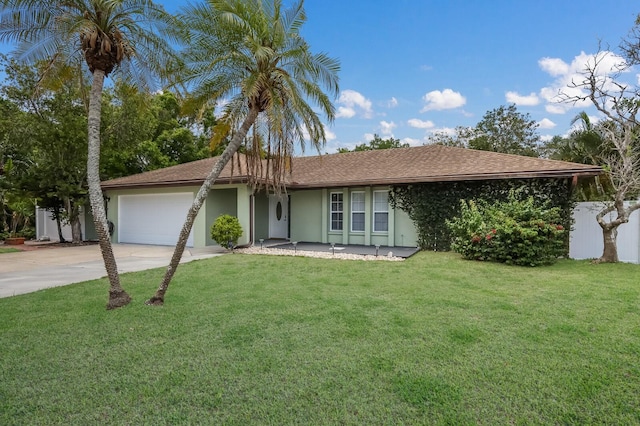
516, 232
226, 230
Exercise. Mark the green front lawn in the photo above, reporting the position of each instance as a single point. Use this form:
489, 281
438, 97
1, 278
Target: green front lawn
270, 340
8, 250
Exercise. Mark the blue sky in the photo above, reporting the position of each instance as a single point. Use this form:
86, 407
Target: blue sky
412, 67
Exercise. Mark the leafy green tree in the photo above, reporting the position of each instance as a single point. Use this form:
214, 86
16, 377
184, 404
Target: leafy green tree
109, 35
251, 53
377, 143
128, 126
459, 138
506, 130
585, 145
143, 132
55, 118
16, 133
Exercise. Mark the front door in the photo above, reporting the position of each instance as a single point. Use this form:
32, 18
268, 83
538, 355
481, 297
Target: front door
279, 216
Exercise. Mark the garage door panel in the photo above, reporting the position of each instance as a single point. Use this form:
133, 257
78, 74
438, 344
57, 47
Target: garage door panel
153, 219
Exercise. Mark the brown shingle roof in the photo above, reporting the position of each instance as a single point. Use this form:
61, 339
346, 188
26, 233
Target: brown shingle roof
193, 173
429, 163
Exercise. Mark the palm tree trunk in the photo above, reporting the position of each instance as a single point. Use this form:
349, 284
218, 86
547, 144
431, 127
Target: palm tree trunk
117, 296
236, 141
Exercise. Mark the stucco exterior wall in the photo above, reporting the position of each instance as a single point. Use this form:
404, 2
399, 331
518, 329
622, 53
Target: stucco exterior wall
406, 234
306, 215
219, 202
310, 220
223, 199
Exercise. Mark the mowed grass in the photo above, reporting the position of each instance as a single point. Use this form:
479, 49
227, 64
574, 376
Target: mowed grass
269, 340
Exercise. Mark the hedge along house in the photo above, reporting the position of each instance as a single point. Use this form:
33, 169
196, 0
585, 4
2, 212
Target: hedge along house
335, 198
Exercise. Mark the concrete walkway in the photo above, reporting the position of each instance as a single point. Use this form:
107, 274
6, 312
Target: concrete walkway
28, 271
403, 252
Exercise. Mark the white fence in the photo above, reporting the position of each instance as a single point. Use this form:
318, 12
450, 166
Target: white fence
46, 228
586, 235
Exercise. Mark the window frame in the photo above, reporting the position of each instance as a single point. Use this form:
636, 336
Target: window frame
377, 212
337, 212
362, 212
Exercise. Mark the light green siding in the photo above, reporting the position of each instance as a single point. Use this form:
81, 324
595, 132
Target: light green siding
219, 202
406, 234
306, 215
309, 217
310, 220
243, 212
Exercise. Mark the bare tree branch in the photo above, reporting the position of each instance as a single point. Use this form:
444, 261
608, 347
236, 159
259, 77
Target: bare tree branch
619, 103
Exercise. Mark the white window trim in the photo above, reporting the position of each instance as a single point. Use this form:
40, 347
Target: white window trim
331, 211
363, 211
373, 216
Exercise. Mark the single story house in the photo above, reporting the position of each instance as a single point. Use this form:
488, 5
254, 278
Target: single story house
332, 198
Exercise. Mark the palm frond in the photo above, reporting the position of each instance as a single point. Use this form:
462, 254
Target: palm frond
137, 33
250, 53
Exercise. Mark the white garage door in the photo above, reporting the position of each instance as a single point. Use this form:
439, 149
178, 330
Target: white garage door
153, 219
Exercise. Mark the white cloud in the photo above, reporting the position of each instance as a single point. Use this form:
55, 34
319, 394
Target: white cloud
386, 128
329, 134
353, 103
426, 67
569, 74
554, 66
344, 112
545, 123
420, 124
368, 137
546, 138
557, 108
392, 103
447, 99
526, 100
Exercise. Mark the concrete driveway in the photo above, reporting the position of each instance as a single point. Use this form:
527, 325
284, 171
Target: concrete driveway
33, 270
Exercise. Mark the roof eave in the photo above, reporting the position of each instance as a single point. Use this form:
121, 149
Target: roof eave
190, 182
452, 178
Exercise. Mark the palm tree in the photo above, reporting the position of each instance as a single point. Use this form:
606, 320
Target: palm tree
250, 53
109, 35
